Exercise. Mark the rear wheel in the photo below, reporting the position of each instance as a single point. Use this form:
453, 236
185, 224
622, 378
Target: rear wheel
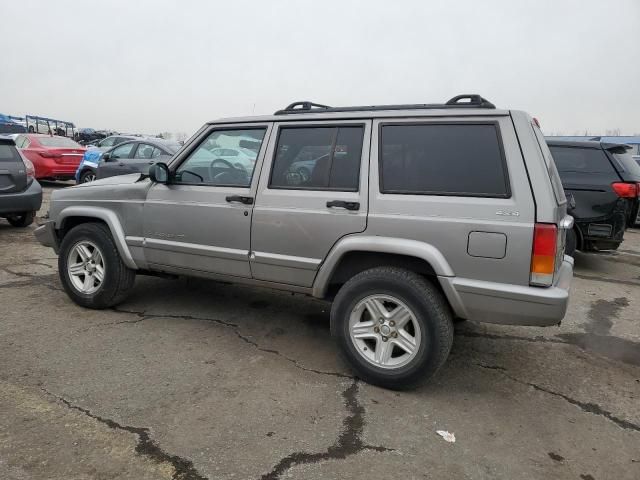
90, 268
393, 326
21, 220
87, 176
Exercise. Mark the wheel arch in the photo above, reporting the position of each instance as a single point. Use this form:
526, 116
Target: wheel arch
72, 216
352, 255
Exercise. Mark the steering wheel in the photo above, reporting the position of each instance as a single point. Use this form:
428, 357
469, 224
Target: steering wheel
232, 174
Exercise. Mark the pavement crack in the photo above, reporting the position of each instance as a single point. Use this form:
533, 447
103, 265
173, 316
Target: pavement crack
587, 407
183, 469
235, 328
348, 443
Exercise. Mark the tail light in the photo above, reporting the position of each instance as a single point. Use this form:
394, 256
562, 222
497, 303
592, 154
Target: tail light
626, 190
543, 257
31, 171
46, 154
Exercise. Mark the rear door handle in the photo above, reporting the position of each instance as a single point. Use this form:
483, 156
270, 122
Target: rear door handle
239, 198
343, 204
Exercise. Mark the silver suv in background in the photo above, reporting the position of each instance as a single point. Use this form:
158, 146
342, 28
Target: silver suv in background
405, 217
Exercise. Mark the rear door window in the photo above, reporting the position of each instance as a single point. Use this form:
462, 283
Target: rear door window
318, 158
443, 159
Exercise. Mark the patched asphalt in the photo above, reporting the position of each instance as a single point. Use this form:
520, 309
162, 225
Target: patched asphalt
194, 379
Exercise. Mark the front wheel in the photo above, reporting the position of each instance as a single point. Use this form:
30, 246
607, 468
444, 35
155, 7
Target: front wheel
393, 326
87, 176
90, 268
21, 220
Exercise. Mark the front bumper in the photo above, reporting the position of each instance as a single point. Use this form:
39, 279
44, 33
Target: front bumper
28, 200
511, 304
46, 235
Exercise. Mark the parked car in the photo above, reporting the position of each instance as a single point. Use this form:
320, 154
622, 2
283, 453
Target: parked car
20, 193
426, 213
86, 171
604, 181
53, 157
135, 157
11, 125
88, 136
637, 222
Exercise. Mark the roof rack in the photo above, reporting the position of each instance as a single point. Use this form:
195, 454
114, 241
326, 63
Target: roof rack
459, 101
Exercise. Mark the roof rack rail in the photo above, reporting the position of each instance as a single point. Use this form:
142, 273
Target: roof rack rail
459, 101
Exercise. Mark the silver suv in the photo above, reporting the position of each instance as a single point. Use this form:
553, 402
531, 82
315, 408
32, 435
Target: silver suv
405, 217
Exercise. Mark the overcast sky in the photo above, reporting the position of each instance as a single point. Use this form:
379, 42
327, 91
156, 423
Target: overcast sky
165, 65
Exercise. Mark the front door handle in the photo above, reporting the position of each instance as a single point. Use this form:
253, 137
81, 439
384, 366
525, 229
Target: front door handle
239, 198
343, 204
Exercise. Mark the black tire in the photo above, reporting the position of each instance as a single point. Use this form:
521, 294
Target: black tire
118, 278
430, 309
572, 243
22, 220
87, 176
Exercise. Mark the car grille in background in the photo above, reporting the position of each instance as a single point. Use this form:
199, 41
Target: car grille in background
599, 230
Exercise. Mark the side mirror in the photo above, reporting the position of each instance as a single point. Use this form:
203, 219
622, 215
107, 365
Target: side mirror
159, 173
106, 156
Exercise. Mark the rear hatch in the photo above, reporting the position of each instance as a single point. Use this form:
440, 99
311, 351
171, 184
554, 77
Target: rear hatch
629, 171
13, 172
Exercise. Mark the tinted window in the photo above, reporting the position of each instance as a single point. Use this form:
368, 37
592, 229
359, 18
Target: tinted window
8, 153
442, 160
123, 151
206, 165
583, 160
320, 158
60, 142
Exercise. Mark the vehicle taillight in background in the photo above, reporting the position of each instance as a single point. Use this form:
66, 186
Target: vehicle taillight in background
626, 190
543, 256
46, 154
31, 171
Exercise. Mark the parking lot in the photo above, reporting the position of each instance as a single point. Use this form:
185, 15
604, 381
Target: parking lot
206, 380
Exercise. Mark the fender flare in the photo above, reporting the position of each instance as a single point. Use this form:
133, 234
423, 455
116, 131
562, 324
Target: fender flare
112, 221
398, 246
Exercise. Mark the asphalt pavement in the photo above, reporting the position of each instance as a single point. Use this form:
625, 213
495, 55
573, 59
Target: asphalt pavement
195, 379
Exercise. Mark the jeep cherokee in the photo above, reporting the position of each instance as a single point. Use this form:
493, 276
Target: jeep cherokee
404, 216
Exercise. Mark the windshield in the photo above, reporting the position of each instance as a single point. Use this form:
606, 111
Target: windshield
62, 142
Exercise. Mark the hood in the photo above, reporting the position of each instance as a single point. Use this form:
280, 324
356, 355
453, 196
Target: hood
116, 180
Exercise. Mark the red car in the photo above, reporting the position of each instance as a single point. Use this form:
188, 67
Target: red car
53, 157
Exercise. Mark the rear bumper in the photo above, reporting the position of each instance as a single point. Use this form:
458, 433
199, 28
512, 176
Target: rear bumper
46, 235
510, 304
28, 200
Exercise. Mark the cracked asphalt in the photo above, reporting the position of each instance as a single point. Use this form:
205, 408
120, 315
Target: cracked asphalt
193, 380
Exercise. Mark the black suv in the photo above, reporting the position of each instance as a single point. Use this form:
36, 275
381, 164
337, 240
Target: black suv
604, 181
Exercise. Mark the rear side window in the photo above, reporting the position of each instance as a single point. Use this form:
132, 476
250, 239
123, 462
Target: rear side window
318, 158
580, 160
8, 153
443, 159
